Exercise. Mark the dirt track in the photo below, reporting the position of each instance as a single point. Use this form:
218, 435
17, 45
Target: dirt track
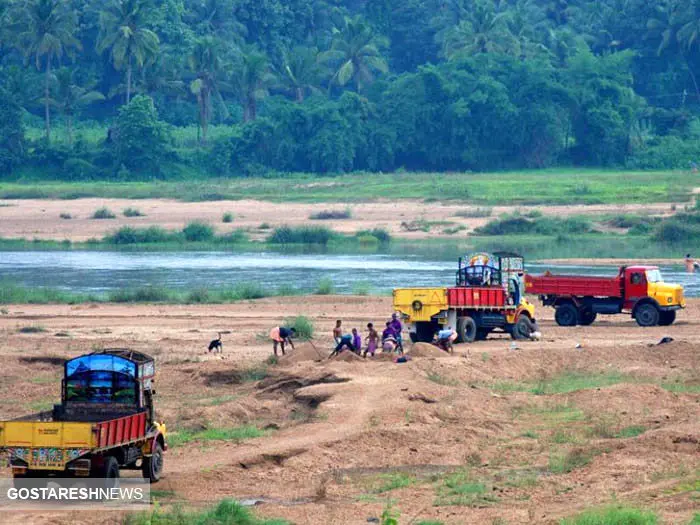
40, 218
339, 432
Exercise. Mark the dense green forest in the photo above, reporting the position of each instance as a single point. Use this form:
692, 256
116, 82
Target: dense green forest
127, 89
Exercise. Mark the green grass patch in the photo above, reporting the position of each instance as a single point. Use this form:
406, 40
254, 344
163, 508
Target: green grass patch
32, 329
564, 383
132, 212
227, 512
613, 516
695, 520
234, 434
227, 217
630, 432
198, 231
462, 490
41, 406
103, 213
553, 186
563, 463
521, 225
392, 481
681, 387
474, 213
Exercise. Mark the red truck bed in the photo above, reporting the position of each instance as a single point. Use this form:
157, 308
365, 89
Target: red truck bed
476, 297
121, 431
573, 285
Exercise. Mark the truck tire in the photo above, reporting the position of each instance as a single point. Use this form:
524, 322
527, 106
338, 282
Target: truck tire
667, 318
566, 315
647, 314
152, 467
466, 329
522, 329
586, 316
110, 472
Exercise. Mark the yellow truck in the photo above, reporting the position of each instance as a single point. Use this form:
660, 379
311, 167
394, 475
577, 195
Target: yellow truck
105, 422
488, 296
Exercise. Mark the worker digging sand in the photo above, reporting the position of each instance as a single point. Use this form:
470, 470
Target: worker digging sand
281, 335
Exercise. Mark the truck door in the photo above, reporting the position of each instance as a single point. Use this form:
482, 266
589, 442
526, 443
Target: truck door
635, 287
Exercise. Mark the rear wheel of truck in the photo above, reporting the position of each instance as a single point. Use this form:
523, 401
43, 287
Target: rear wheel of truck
566, 315
667, 318
110, 472
586, 316
466, 329
523, 328
647, 315
153, 467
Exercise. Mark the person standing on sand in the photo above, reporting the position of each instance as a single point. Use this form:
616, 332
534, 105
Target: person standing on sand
397, 327
372, 340
281, 335
356, 341
338, 331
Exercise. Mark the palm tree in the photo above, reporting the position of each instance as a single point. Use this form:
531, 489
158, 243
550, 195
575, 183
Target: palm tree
70, 97
689, 30
47, 35
301, 73
252, 79
206, 64
485, 32
355, 52
123, 31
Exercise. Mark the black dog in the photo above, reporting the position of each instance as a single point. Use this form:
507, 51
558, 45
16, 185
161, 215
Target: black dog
216, 344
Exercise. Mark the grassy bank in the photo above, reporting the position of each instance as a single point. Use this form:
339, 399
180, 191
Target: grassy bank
558, 186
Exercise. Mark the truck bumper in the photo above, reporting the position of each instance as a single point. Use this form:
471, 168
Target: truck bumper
671, 308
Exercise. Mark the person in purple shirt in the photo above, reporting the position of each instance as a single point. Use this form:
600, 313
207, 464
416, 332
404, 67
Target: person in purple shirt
356, 341
396, 326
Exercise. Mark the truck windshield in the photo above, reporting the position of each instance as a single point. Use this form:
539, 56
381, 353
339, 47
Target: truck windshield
654, 276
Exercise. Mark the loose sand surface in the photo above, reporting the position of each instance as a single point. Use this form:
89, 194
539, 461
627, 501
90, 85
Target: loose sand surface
470, 438
41, 218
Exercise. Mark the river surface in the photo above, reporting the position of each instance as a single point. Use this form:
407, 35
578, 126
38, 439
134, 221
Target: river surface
100, 271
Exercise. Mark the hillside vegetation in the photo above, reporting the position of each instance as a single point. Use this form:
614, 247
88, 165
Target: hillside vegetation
134, 89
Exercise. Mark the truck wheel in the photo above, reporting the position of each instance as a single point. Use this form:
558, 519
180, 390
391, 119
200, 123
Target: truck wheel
153, 467
647, 315
466, 328
523, 328
110, 472
586, 317
667, 318
566, 315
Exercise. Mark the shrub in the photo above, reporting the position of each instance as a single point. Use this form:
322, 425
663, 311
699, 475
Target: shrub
227, 217
66, 216
301, 235
103, 213
144, 294
33, 329
303, 325
198, 231
476, 213
380, 234
678, 229
132, 212
129, 235
331, 215
325, 287
520, 225
612, 516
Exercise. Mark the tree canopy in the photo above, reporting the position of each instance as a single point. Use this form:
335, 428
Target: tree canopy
338, 85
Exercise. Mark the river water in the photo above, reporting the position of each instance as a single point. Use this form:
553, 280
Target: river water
99, 271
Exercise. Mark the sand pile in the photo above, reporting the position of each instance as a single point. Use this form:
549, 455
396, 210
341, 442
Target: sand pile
426, 350
303, 352
347, 356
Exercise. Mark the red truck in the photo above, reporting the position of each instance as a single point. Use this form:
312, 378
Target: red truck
638, 290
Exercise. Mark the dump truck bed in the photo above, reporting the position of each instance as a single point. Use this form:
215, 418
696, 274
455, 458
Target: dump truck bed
46, 444
575, 286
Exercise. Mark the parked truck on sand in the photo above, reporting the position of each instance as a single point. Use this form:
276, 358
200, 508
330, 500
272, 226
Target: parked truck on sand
638, 290
488, 296
105, 422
